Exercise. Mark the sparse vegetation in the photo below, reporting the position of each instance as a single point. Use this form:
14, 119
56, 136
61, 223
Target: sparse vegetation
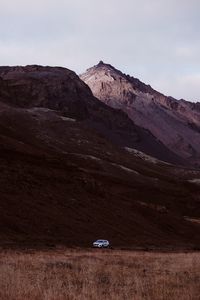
82, 274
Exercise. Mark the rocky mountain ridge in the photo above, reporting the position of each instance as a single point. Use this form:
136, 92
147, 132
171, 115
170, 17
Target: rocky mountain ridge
176, 123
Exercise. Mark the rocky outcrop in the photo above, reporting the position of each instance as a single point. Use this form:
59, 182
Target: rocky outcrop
175, 123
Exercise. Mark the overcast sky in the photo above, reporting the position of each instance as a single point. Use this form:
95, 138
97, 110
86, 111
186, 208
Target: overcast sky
157, 41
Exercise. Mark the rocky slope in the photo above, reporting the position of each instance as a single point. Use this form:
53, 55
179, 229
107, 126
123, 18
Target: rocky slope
176, 123
62, 183
65, 181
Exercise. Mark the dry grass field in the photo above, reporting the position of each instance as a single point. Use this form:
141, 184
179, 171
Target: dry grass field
111, 274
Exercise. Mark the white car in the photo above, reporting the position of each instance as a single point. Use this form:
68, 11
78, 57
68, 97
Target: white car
101, 244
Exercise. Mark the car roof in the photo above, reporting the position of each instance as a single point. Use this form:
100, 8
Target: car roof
102, 240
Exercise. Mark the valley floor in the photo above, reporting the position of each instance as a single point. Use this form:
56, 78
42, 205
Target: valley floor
98, 274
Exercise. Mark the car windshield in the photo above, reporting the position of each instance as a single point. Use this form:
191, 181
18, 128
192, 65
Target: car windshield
99, 241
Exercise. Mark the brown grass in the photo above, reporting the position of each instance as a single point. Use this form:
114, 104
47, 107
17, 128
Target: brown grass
113, 275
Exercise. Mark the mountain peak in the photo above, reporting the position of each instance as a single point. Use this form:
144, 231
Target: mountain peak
106, 72
101, 63
149, 109
104, 65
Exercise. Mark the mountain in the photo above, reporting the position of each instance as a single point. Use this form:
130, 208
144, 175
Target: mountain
62, 90
176, 123
67, 176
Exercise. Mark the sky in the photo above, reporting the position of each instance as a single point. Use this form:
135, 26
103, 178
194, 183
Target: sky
157, 41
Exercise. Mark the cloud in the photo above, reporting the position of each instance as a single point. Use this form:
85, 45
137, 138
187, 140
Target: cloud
155, 40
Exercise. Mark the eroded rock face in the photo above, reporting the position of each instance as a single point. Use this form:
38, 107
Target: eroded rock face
174, 122
62, 90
